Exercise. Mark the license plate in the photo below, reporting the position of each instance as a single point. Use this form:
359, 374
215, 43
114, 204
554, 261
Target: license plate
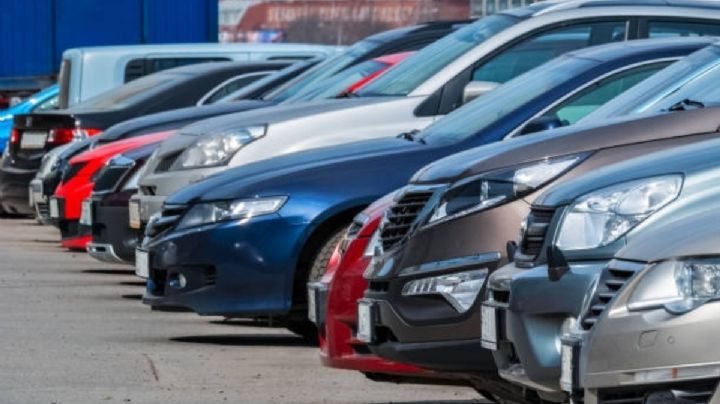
33, 139
54, 209
489, 327
365, 322
142, 264
86, 213
569, 354
134, 214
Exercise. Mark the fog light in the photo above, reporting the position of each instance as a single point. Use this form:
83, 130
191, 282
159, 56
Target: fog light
459, 289
177, 281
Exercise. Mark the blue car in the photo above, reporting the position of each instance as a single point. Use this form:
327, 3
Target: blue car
246, 241
44, 100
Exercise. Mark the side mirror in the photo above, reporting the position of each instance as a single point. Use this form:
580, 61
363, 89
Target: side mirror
475, 89
542, 123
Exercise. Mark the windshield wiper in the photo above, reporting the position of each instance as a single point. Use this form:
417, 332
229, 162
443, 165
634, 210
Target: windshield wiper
412, 136
685, 105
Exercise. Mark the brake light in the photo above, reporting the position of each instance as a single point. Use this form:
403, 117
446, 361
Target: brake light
14, 136
66, 135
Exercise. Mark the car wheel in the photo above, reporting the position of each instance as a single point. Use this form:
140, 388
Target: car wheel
319, 263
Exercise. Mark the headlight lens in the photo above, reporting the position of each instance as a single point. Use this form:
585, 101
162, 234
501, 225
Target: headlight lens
601, 217
459, 289
679, 286
372, 244
217, 149
213, 212
501, 186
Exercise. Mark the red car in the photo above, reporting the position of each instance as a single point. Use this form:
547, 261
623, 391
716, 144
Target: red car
78, 182
335, 308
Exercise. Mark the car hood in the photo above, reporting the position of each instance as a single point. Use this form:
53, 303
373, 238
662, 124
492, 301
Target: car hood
687, 160
176, 118
569, 140
696, 235
263, 177
279, 113
118, 147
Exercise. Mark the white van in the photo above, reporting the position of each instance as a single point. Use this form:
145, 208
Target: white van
86, 72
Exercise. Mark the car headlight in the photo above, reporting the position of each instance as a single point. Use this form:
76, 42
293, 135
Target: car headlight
372, 245
603, 216
679, 286
459, 289
218, 148
132, 182
501, 186
213, 212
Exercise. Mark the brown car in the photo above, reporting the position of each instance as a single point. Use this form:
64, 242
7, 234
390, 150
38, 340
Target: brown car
455, 222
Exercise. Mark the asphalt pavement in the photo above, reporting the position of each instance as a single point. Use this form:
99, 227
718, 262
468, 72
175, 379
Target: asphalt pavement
73, 330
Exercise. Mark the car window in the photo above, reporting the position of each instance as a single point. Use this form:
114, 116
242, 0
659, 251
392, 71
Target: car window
591, 98
47, 105
412, 72
335, 85
540, 48
230, 86
137, 68
664, 29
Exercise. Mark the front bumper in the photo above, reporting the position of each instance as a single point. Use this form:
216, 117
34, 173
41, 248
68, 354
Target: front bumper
112, 238
231, 268
14, 184
531, 312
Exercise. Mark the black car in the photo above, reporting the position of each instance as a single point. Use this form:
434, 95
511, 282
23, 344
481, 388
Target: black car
36, 134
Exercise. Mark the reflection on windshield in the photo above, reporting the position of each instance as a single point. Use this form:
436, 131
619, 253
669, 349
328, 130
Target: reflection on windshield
490, 108
131, 92
696, 77
258, 84
337, 84
416, 69
317, 74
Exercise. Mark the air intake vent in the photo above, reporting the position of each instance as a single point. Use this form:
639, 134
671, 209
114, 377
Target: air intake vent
401, 216
167, 162
613, 278
699, 392
533, 238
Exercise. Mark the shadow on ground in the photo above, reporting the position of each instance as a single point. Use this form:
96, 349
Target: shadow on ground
246, 340
109, 271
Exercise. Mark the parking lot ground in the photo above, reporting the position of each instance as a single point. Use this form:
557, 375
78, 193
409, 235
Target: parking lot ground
73, 330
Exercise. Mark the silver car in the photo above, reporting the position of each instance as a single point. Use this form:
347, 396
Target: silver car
416, 92
558, 284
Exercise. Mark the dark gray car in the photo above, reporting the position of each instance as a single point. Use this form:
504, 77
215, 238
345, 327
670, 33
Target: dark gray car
559, 282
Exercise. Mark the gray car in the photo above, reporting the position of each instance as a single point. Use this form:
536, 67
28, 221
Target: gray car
416, 92
559, 282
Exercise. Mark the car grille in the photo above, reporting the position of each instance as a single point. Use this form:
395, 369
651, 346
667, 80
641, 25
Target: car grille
613, 278
402, 215
352, 232
110, 178
166, 220
533, 237
686, 392
167, 162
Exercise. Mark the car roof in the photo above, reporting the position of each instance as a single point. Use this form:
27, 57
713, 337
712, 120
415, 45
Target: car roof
561, 5
611, 51
203, 47
209, 67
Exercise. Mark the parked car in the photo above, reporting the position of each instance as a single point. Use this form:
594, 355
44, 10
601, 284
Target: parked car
313, 188
108, 222
88, 72
676, 334
422, 302
563, 279
44, 100
36, 134
68, 206
416, 92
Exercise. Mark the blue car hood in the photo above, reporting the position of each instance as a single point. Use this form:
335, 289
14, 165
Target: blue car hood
268, 176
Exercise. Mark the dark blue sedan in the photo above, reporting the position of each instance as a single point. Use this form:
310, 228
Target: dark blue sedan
246, 241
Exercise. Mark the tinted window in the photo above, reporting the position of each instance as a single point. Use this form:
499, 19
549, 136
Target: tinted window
131, 92
231, 86
47, 105
415, 70
141, 67
540, 48
479, 114
589, 99
663, 29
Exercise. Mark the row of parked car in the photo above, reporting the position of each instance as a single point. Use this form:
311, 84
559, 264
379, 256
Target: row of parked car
525, 204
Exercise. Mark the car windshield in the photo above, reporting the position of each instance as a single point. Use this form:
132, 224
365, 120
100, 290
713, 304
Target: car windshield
307, 80
491, 108
402, 79
251, 88
132, 92
337, 84
696, 77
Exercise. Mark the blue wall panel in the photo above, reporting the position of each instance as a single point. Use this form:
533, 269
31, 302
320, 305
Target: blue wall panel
26, 38
173, 21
